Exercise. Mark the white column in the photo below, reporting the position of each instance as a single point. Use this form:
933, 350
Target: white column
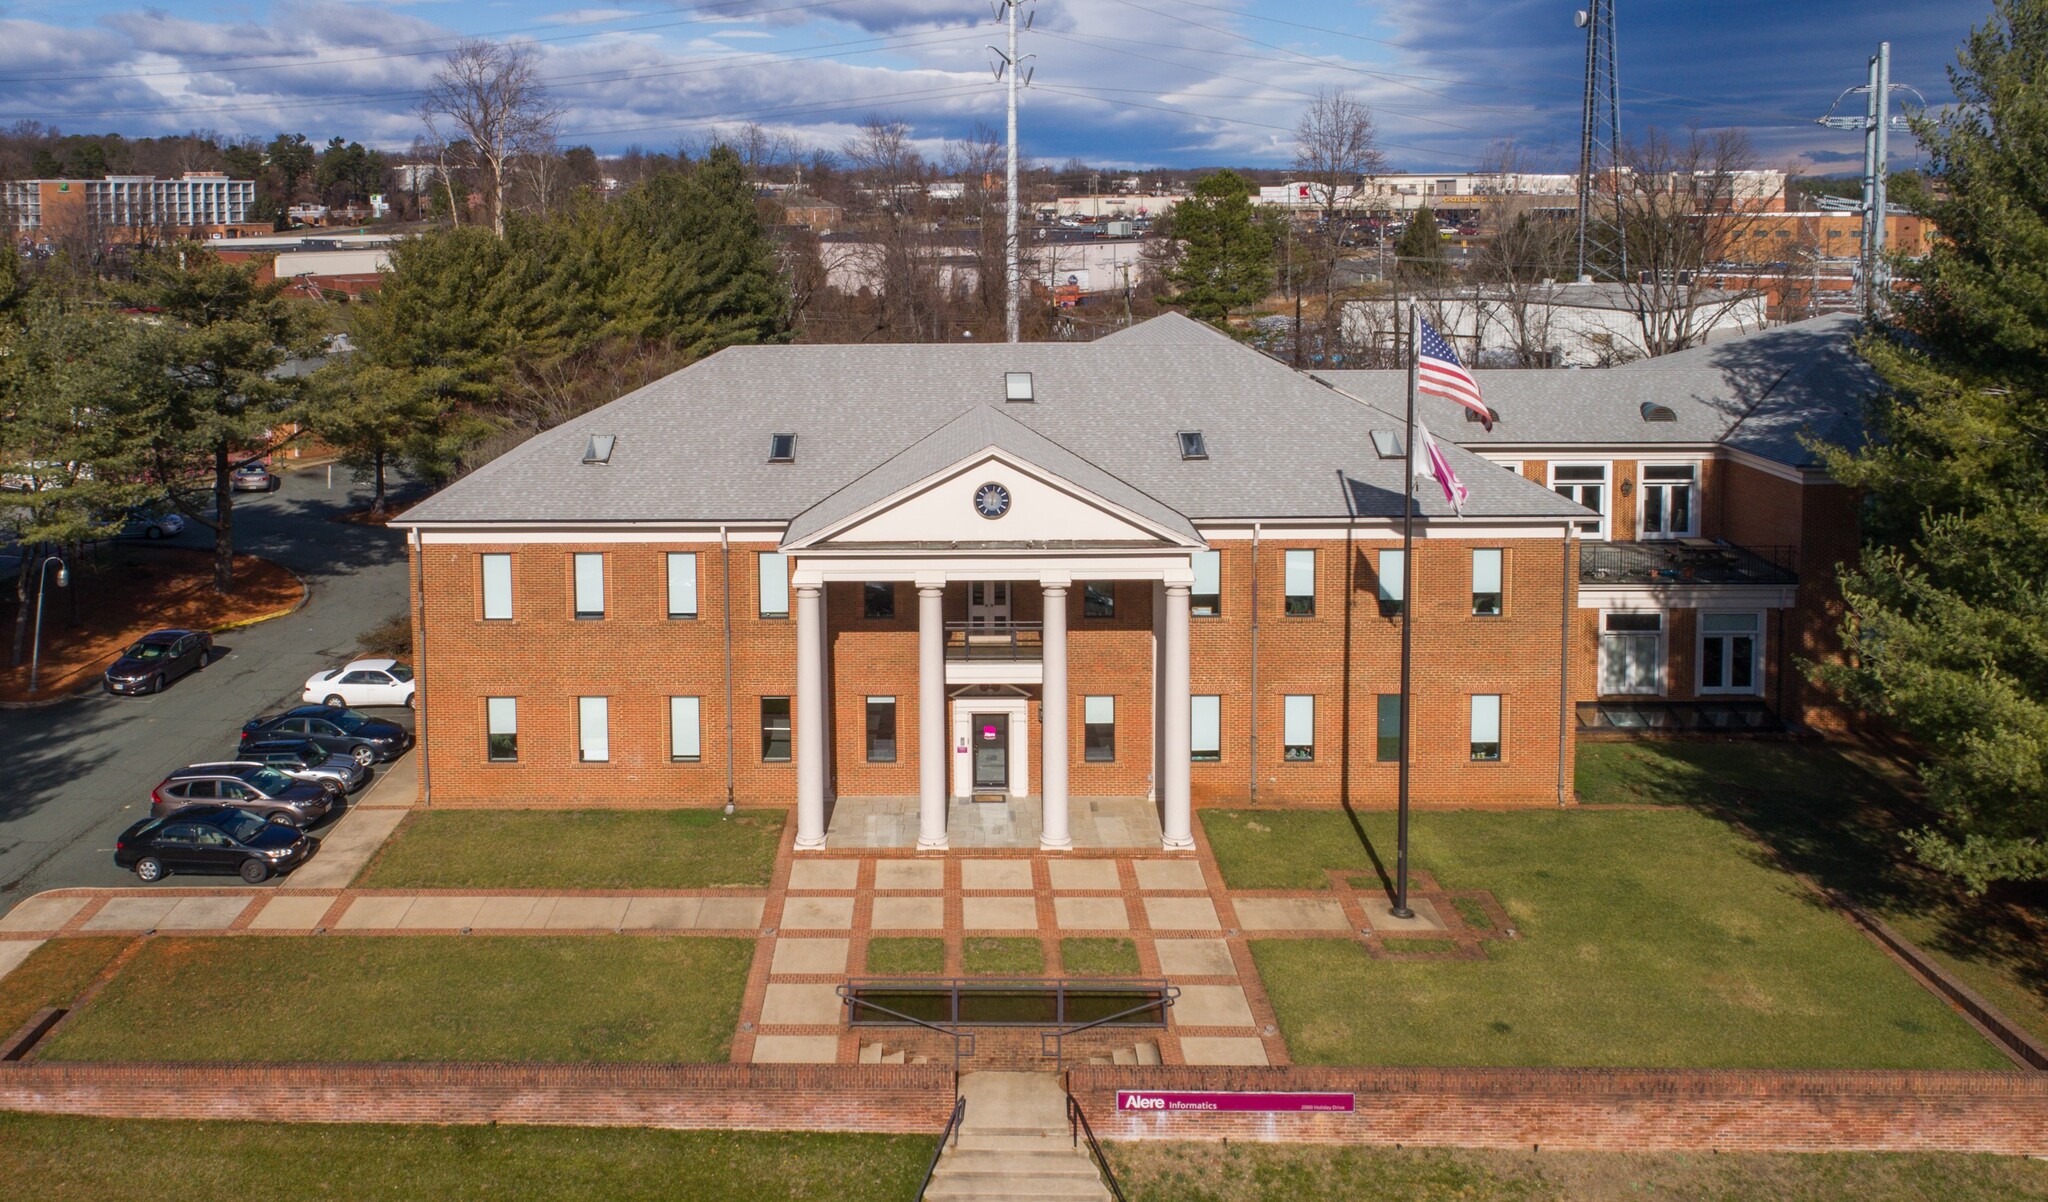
810, 719
932, 719
1176, 808
1053, 832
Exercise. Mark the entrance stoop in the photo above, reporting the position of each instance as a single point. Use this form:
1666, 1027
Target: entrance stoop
1014, 1144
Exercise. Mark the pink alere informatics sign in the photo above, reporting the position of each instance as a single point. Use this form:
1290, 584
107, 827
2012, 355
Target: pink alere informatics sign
1162, 1101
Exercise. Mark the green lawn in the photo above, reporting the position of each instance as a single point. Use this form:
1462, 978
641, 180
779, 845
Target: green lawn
578, 849
363, 998
1099, 957
53, 975
1836, 816
1648, 937
908, 956
88, 1160
1256, 1172
988, 956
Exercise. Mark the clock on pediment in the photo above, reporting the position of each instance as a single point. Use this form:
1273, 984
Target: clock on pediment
991, 500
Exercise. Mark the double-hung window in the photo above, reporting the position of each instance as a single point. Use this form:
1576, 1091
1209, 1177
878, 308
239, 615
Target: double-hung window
1669, 490
1729, 647
682, 584
501, 729
593, 729
685, 729
1098, 729
589, 586
1486, 587
1205, 728
1207, 599
1632, 653
1393, 581
1486, 726
497, 570
772, 569
1300, 571
775, 730
1298, 728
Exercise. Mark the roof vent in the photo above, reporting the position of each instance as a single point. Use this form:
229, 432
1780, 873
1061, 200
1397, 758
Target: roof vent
599, 449
1017, 386
1653, 412
1193, 445
782, 448
1388, 444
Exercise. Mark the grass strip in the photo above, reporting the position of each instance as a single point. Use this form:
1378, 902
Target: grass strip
1099, 957
578, 849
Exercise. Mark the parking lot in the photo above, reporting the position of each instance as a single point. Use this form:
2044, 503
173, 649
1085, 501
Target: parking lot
75, 774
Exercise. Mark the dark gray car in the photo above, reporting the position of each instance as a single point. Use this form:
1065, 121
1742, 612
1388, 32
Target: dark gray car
257, 788
303, 759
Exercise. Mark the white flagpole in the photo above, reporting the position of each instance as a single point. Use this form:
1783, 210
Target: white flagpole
1401, 909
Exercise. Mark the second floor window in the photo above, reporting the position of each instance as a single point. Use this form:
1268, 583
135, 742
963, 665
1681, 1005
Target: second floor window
878, 599
1301, 583
1486, 593
589, 587
682, 584
497, 587
1668, 494
773, 572
1585, 483
1098, 598
1393, 581
1207, 599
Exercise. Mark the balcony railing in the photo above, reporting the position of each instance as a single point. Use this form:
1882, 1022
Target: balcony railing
995, 641
1686, 561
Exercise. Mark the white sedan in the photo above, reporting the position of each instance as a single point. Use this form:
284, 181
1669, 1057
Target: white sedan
363, 682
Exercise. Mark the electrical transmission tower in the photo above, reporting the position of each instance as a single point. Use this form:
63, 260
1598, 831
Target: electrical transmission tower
1877, 123
1601, 243
1012, 71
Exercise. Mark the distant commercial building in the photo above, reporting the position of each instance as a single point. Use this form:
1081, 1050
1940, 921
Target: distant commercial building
124, 208
1570, 324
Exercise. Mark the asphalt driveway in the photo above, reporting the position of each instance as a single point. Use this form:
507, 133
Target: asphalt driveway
74, 775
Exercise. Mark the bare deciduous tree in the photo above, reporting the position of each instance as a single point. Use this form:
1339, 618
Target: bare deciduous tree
489, 95
1528, 249
1684, 205
1336, 146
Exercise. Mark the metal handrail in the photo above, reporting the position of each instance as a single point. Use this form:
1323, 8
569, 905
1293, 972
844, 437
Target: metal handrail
1077, 1126
1167, 996
959, 1038
953, 989
994, 640
952, 1132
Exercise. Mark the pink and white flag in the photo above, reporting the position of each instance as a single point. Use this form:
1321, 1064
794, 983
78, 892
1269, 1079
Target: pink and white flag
1432, 465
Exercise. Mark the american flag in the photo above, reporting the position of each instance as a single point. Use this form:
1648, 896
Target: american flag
1438, 373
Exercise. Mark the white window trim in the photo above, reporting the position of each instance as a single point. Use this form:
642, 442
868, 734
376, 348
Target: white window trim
1642, 497
1663, 682
1756, 655
1606, 514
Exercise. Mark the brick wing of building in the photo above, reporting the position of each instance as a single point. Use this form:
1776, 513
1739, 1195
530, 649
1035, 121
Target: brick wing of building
1159, 566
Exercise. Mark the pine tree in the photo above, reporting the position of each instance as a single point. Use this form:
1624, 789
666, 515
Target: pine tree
1226, 249
1420, 250
1948, 626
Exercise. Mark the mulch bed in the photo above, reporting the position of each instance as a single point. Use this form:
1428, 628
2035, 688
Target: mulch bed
126, 592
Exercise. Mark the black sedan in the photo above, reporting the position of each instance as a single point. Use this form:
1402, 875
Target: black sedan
368, 739
212, 839
156, 659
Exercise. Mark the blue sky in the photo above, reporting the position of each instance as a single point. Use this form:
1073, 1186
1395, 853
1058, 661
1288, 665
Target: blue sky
1137, 82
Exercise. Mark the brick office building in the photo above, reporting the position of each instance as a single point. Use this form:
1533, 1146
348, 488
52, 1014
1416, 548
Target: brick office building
1159, 565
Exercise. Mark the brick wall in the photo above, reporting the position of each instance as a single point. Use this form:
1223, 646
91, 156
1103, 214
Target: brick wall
913, 1099
1601, 1109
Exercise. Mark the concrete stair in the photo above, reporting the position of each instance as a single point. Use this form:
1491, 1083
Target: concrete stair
882, 1053
1014, 1144
1145, 1052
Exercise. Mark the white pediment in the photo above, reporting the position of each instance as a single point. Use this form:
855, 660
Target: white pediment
948, 507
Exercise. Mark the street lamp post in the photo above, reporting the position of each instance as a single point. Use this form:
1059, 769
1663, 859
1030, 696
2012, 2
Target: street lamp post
35, 661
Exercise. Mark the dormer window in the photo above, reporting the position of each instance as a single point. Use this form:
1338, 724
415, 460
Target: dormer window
1017, 387
782, 448
1653, 412
1193, 445
599, 449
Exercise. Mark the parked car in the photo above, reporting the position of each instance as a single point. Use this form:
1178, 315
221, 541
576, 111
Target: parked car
368, 739
212, 839
153, 661
303, 759
245, 784
144, 522
254, 477
362, 682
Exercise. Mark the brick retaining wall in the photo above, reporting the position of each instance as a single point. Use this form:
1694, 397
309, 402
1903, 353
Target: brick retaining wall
758, 1097
1601, 1109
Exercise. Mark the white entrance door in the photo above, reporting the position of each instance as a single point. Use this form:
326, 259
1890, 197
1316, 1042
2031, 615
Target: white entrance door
988, 603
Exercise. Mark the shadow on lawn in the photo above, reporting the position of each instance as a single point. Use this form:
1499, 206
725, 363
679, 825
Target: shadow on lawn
1838, 816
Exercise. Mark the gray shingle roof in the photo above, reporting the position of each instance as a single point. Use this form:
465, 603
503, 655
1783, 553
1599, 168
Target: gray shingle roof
694, 445
1758, 393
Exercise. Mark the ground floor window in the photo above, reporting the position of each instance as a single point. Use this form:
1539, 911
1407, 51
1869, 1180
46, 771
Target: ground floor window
501, 729
1486, 726
1298, 728
1730, 652
881, 730
1389, 746
1632, 653
775, 730
1205, 729
1098, 729
685, 729
593, 729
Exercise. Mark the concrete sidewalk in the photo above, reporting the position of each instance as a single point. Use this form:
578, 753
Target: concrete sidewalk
348, 845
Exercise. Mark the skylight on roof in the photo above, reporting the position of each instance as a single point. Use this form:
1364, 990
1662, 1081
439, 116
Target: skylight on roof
782, 448
1388, 444
599, 449
1193, 445
1017, 386
1653, 412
